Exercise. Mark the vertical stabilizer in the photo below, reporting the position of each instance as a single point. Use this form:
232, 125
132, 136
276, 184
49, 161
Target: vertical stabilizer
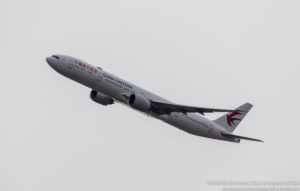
231, 120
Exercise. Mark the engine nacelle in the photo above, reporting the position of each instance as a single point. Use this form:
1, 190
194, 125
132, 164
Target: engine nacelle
101, 98
139, 102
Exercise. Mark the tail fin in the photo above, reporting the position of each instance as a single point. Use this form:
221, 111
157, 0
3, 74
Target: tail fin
231, 120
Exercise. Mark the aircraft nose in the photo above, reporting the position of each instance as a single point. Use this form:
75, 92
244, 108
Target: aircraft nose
53, 62
48, 59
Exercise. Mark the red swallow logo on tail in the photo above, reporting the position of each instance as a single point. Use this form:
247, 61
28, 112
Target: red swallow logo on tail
231, 119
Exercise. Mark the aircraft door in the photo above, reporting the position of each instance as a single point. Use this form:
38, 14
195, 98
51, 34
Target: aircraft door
99, 75
70, 63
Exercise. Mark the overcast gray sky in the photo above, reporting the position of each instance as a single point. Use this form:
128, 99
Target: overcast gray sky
203, 53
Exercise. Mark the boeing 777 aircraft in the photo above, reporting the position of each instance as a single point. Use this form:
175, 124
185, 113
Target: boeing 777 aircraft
107, 89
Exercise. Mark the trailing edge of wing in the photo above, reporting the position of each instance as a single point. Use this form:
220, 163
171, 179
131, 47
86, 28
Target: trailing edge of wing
168, 108
240, 137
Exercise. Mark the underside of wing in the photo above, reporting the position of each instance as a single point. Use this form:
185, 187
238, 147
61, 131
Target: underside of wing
166, 108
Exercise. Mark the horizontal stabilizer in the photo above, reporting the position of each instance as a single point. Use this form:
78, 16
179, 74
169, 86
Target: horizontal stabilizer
239, 137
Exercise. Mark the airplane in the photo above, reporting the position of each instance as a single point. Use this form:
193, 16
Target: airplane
107, 89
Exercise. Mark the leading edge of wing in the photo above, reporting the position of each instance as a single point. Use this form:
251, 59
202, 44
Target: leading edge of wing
169, 107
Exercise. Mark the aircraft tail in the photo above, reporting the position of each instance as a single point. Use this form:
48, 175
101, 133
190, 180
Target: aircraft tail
231, 120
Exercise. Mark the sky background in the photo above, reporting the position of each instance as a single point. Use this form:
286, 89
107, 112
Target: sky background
204, 53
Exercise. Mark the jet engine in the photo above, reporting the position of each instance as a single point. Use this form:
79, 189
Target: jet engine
139, 102
101, 98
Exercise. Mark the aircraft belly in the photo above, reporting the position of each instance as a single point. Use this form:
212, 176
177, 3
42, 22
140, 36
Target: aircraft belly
186, 124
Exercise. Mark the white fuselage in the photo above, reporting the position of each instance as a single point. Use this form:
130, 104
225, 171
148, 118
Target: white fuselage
115, 87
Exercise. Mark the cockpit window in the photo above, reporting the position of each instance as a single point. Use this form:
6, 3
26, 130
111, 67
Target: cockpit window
55, 57
99, 68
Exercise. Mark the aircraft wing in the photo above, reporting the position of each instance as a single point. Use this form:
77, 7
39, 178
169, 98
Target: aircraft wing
166, 108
